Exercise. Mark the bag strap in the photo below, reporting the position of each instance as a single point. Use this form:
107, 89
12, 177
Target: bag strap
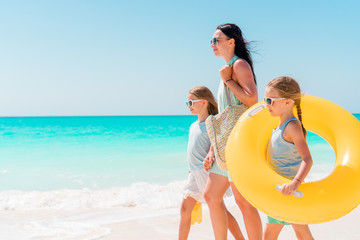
231, 63
228, 96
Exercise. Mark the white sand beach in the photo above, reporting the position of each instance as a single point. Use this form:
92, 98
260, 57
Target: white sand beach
131, 224
165, 227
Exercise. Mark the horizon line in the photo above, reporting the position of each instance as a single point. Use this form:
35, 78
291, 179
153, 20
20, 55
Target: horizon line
159, 115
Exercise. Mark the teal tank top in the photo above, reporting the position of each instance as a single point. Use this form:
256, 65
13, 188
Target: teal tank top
284, 158
221, 96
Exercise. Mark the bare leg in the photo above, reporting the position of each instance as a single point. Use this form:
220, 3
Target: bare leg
187, 206
250, 214
234, 227
302, 232
272, 231
215, 189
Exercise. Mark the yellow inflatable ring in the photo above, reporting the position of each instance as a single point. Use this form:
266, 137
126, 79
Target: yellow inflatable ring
322, 201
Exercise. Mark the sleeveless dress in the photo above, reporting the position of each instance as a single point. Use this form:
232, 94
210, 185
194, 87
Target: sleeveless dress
222, 104
284, 158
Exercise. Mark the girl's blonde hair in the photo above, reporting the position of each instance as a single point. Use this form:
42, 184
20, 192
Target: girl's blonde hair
289, 88
203, 92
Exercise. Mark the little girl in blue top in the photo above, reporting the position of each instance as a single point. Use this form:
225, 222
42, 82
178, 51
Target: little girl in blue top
289, 154
201, 102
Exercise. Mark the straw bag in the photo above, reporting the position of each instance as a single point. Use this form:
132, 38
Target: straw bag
220, 126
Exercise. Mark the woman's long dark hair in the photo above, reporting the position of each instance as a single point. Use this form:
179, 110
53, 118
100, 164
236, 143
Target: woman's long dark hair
241, 46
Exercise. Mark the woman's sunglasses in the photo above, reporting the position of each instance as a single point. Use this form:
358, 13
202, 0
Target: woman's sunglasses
215, 41
190, 103
270, 101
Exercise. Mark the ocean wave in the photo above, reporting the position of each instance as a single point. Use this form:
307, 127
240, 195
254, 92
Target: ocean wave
142, 194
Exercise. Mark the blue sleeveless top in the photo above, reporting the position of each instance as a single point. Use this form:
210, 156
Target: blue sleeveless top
284, 158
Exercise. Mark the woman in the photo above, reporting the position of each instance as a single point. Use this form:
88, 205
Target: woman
238, 76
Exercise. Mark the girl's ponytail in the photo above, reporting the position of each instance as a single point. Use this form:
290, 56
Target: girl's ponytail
212, 108
299, 113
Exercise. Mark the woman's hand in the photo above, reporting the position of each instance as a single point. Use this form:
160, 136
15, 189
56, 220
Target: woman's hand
209, 160
290, 188
226, 73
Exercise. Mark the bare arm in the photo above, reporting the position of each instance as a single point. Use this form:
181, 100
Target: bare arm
209, 159
243, 84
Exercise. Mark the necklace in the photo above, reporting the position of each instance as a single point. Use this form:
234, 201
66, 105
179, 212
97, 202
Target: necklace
231, 62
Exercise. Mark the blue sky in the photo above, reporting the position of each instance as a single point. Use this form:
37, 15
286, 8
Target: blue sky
142, 57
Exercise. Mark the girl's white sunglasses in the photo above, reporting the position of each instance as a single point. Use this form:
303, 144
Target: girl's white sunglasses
190, 103
270, 101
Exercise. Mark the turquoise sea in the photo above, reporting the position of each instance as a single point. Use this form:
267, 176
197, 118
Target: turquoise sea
55, 153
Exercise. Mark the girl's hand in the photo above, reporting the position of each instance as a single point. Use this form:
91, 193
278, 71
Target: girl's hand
209, 160
226, 73
290, 188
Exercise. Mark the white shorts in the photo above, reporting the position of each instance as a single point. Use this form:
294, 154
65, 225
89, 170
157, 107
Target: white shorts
195, 184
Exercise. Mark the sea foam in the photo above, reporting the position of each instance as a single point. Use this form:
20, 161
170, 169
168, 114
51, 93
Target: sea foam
144, 195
